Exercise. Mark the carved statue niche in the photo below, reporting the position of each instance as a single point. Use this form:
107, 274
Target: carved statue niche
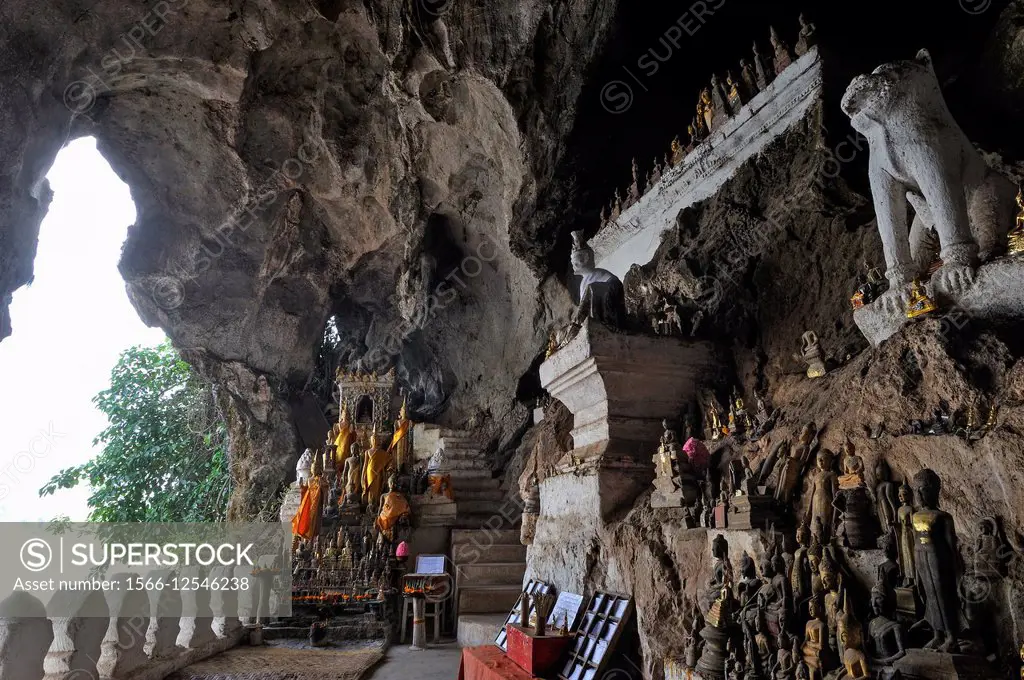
601, 295
920, 155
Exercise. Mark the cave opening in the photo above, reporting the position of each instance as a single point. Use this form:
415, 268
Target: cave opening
71, 324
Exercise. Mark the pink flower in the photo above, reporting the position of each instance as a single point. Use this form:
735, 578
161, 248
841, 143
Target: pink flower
698, 455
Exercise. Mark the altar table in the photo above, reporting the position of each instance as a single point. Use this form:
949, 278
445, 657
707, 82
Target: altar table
489, 663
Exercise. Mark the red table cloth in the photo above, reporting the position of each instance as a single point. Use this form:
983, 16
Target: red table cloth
489, 663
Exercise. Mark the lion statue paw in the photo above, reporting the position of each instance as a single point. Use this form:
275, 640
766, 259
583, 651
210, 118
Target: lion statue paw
895, 300
953, 280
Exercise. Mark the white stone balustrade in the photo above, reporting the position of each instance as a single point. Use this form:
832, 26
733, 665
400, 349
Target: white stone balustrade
197, 624
75, 650
121, 646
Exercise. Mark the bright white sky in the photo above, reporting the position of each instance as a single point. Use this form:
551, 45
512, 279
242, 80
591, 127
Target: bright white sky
70, 325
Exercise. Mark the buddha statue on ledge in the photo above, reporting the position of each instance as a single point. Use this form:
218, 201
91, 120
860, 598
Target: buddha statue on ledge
1015, 239
919, 304
601, 295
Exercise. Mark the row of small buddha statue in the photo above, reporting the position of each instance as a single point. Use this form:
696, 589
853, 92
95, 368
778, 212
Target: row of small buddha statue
716, 104
799, 617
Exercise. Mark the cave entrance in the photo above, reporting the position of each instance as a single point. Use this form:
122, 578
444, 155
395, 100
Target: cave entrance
70, 324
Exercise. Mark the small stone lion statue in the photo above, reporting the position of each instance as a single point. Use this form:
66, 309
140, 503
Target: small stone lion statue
920, 155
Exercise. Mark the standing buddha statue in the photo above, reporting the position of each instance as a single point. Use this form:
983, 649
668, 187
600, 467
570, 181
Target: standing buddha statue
375, 466
823, 492
905, 535
401, 440
935, 562
345, 435
306, 522
353, 475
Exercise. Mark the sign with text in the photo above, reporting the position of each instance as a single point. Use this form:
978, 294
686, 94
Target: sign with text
103, 570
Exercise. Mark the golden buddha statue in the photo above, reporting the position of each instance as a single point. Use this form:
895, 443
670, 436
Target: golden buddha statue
401, 442
393, 508
707, 108
853, 468
1016, 236
677, 152
376, 463
344, 436
920, 304
851, 644
815, 647
714, 423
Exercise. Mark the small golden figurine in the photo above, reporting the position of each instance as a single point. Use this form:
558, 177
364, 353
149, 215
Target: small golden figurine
677, 152
920, 304
1016, 236
552, 345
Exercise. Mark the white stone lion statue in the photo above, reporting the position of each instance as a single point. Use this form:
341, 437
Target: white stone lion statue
920, 156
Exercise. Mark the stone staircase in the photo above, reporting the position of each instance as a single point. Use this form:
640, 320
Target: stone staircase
489, 568
479, 498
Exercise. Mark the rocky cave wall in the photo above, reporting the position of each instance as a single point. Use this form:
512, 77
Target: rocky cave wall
778, 251
375, 162
293, 162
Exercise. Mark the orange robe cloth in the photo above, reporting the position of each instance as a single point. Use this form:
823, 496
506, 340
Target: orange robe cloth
403, 429
342, 444
393, 508
306, 522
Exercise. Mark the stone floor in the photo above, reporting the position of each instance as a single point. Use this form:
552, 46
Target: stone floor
438, 662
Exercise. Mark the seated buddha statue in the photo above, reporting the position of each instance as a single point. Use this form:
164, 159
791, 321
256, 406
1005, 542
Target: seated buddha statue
601, 295
375, 468
816, 653
851, 642
919, 304
887, 641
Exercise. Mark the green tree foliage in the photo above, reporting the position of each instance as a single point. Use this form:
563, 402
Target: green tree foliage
164, 452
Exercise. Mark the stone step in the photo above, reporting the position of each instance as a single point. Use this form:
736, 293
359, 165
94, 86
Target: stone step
489, 493
477, 630
488, 599
477, 473
459, 456
485, 537
465, 506
469, 464
490, 521
490, 574
488, 552
476, 481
